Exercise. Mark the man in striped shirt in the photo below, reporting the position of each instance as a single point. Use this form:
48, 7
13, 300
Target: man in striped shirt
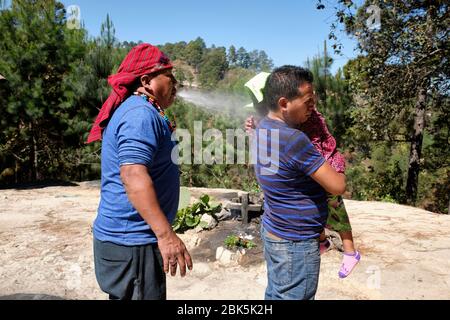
294, 178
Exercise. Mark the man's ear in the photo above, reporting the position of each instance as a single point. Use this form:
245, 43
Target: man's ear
282, 104
146, 83
145, 80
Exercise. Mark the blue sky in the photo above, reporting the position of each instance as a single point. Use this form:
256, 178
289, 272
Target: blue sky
289, 31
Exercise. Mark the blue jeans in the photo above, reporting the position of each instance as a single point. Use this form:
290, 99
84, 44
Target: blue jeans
292, 268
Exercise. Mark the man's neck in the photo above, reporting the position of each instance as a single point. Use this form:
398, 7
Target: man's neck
276, 116
142, 90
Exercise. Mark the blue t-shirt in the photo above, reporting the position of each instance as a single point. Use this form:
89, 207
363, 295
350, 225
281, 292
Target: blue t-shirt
136, 134
295, 206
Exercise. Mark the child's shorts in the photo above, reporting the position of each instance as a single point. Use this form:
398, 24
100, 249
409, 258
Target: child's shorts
337, 215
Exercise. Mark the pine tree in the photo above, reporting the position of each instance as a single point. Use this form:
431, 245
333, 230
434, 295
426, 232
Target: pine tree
107, 33
213, 67
35, 58
232, 56
194, 52
243, 58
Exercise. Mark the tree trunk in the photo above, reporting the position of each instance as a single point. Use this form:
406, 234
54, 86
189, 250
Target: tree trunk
32, 161
416, 147
419, 118
35, 160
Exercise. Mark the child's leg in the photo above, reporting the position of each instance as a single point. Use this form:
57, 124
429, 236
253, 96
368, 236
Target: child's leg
343, 225
347, 241
339, 221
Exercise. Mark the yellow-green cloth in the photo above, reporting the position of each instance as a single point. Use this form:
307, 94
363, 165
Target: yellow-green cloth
256, 85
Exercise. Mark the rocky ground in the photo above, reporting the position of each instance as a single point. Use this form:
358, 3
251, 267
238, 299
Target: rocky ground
46, 252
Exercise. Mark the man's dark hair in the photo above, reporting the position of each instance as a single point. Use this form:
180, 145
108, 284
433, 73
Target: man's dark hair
284, 82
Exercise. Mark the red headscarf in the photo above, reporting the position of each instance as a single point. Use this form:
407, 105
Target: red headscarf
142, 59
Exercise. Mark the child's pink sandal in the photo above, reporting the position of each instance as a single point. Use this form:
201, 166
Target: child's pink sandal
348, 263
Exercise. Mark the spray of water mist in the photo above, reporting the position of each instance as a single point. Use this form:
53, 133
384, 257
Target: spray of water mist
217, 102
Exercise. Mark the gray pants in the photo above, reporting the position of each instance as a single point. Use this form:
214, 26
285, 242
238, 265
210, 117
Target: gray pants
130, 273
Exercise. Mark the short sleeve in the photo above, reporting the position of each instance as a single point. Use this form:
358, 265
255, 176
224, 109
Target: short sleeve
138, 135
302, 154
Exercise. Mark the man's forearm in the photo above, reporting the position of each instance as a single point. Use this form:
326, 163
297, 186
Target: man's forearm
329, 179
141, 193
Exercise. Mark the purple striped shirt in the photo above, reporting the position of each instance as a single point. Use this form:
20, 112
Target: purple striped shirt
295, 205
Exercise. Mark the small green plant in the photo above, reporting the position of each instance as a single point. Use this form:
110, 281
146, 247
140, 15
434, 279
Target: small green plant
388, 198
233, 241
189, 217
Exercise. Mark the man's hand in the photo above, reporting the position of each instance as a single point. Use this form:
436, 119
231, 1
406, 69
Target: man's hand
250, 124
141, 193
174, 253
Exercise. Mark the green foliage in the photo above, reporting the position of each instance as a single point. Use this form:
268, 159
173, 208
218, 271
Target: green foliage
37, 52
240, 176
213, 68
234, 80
434, 192
189, 217
175, 51
57, 82
107, 33
234, 241
243, 58
194, 51
232, 56
401, 73
212, 65
381, 176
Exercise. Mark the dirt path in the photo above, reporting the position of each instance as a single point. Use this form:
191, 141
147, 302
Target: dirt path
46, 252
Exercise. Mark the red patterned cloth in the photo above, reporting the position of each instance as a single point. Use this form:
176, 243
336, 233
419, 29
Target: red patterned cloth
142, 59
317, 131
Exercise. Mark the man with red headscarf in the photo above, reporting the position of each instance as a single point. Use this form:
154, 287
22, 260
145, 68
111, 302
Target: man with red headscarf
134, 243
